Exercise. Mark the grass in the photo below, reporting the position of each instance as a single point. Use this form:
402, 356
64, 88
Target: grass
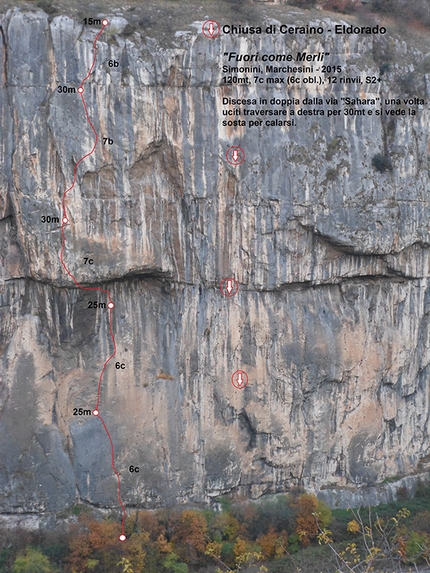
415, 505
310, 559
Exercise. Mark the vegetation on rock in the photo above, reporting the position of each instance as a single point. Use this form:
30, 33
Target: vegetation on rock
285, 534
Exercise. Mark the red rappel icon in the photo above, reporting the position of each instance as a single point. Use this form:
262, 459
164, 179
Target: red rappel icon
211, 29
229, 287
235, 155
239, 379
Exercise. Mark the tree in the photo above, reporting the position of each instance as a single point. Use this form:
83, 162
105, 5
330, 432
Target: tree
97, 548
171, 564
311, 514
189, 536
136, 555
267, 543
384, 545
148, 521
33, 561
127, 567
225, 527
245, 555
273, 544
277, 513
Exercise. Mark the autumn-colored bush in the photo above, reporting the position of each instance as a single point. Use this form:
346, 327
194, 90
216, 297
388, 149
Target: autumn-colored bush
96, 548
256, 519
149, 521
379, 543
311, 514
190, 536
273, 545
279, 534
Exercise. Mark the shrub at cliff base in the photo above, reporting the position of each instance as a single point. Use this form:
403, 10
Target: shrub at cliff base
379, 544
273, 545
312, 515
189, 536
33, 561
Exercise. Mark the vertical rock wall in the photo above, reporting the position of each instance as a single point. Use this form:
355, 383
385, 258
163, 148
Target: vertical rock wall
331, 321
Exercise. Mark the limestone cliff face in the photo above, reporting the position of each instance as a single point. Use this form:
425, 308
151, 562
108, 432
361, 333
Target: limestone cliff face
331, 321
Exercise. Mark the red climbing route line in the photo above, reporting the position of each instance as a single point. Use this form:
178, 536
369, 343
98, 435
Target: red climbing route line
110, 305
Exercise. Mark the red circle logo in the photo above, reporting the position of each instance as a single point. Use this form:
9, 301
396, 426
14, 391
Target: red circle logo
239, 379
235, 155
229, 287
211, 29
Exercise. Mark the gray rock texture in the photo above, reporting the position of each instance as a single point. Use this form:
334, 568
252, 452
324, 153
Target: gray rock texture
331, 321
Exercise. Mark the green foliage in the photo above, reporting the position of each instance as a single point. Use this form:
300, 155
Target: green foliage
33, 561
423, 489
324, 514
414, 505
314, 559
378, 543
259, 517
78, 509
57, 551
419, 508
421, 522
224, 527
417, 545
4, 554
244, 537
293, 543
227, 553
225, 504
180, 568
172, 564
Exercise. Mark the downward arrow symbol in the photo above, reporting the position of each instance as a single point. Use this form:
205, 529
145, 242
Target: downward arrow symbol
239, 379
235, 155
229, 286
211, 29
